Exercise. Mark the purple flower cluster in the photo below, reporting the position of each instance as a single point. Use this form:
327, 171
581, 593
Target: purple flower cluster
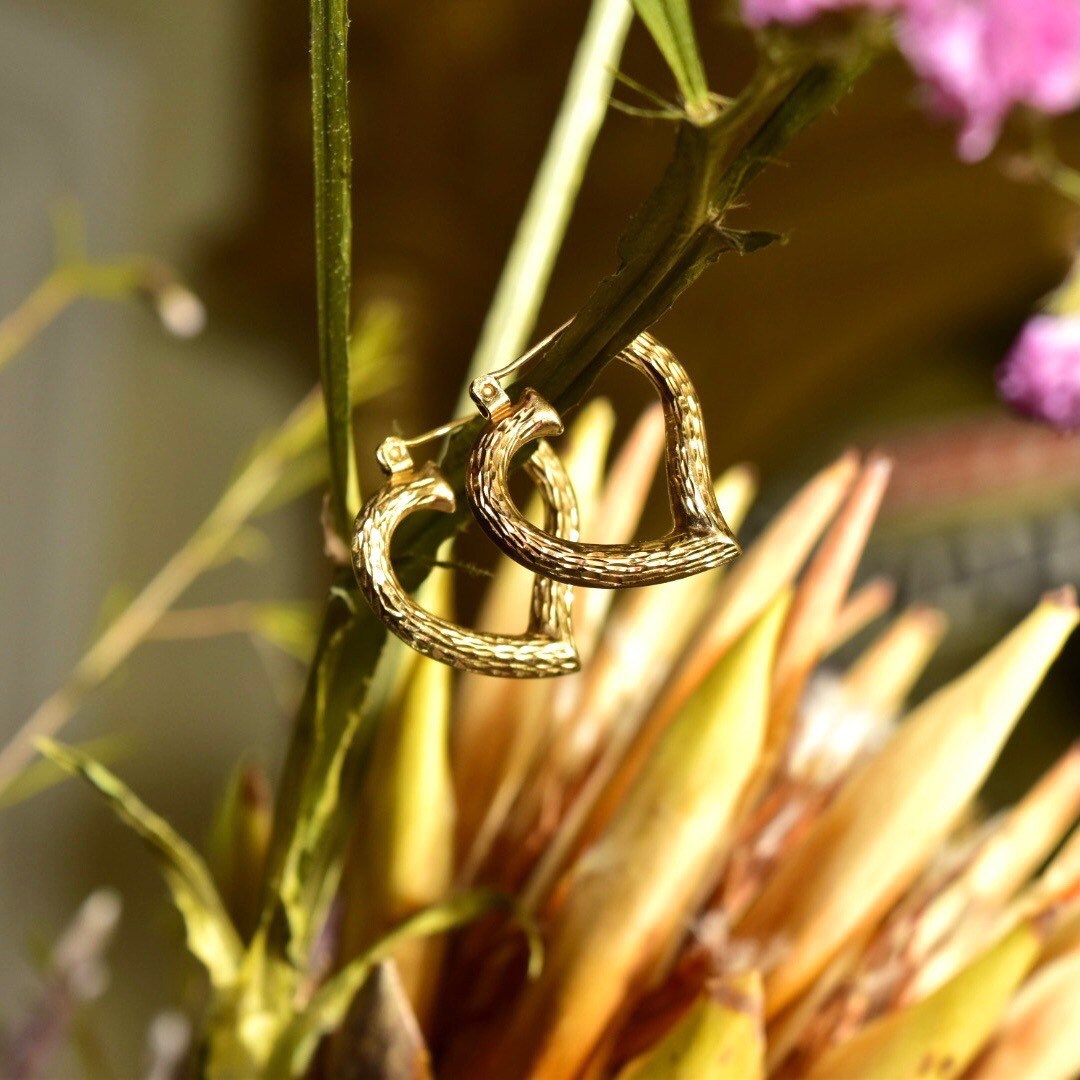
977, 58
1040, 377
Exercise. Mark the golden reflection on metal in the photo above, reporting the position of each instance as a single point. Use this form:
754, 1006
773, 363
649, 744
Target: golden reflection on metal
700, 538
546, 648
456, 425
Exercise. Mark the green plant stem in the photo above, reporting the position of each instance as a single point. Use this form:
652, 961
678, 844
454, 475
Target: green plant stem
543, 224
208, 543
215, 620
672, 29
333, 244
52, 296
67, 283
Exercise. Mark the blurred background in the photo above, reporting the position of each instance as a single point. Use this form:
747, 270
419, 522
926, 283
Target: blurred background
183, 131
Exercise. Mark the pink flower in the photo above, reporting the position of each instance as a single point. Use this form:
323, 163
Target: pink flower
1040, 377
762, 12
982, 57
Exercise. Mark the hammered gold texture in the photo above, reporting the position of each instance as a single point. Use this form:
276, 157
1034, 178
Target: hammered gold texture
700, 538
545, 649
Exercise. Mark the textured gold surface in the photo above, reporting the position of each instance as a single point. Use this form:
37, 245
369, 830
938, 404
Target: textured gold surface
546, 648
700, 538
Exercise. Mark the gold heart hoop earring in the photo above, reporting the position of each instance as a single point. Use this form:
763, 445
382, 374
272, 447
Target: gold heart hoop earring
699, 539
547, 646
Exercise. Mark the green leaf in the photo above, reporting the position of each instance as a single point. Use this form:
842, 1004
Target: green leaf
299, 476
42, 774
290, 627
542, 227
333, 242
239, 837
331, 742
669, 23
746, 242
331, 1001
211, 937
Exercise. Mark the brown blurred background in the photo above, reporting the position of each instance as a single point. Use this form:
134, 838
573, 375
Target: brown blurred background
183, 130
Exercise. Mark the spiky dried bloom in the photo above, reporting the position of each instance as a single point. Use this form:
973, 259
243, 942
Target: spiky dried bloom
743, 862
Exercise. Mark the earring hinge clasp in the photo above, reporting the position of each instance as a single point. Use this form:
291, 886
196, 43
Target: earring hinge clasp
491, 400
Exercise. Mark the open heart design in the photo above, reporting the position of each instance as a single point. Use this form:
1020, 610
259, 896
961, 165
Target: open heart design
699, 539
546, 648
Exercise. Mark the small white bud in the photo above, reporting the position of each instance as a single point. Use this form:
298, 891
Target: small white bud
181, 312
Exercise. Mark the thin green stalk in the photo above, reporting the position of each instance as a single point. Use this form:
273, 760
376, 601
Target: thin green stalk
333, 244
671, 27
207, 544
52, 296
279, 467
540, 232
125, 279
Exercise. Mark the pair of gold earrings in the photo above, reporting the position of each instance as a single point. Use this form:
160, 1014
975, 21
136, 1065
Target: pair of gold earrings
699, 539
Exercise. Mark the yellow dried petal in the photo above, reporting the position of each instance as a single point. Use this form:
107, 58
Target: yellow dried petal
402, 860
861, 608
1064, 868
768, 566
750, 585
1029, 832
717, 1039
820, 595
939, 1035
870, 843
493, 714
646, 632
629, 895
882, 678
1039, 1035
618, 505
1061, 878
971, 906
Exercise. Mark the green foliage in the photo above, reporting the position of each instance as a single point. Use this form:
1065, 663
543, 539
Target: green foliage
543, 223
331, 1001
42, 774
290, 627
236, 847
211, 937
333, 242
669, 23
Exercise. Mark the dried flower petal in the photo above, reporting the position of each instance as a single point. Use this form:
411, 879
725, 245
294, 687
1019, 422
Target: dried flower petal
645, 634
883, 676
820, 595
941, 1034
490, 730
862, 607
403, 857
719, 1038
629, 894
1039, 1035
884, 824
